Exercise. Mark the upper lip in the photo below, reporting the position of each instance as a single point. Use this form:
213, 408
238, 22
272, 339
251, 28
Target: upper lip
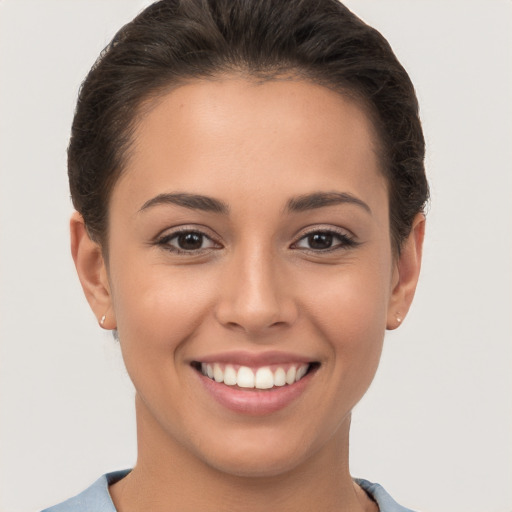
254, 359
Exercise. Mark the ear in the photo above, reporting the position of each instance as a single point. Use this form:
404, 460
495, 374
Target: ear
406, 273
92, 272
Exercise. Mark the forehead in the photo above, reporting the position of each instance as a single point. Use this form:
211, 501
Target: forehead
238, 136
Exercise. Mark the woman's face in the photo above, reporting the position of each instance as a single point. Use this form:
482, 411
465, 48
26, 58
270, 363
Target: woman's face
249, 239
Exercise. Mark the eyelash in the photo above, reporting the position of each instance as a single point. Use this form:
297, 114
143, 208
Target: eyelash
165, 241
344, 241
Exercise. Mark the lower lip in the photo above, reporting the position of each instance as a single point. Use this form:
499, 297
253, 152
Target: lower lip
253, 401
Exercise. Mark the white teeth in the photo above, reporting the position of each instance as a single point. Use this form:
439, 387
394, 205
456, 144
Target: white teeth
245, 377
279, 377
264, 378
230, 376
218, 374
290, 375
301, 371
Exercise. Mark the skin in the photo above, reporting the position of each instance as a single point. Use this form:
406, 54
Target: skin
255, 285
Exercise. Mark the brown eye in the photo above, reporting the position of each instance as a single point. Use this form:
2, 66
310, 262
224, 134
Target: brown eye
325, 241
187, 242
190, 241
320, 241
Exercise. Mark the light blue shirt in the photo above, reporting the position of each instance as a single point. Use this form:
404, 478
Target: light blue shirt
96, 498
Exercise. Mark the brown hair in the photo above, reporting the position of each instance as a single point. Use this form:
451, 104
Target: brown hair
172, 41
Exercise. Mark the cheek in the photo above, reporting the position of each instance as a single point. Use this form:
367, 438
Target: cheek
349, 310
157, 310
351, 300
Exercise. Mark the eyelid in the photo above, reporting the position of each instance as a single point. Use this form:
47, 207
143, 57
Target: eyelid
166, 235
348, 239
185, 228
324, 228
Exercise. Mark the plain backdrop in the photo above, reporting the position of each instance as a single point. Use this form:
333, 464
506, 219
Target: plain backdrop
436, 426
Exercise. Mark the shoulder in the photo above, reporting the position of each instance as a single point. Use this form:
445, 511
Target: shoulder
384, 501
95, 498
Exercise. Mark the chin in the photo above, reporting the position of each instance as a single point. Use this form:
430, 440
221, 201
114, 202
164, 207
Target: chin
262, 465
266, 453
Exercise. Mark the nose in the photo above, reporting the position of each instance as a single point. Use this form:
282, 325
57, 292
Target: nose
254, 296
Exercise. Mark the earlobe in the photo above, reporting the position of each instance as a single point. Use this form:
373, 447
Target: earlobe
92, 272
407, 271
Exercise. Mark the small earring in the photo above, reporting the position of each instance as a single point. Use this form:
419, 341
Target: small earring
102, 321
399, 319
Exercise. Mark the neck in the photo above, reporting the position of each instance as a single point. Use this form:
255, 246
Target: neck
168, 477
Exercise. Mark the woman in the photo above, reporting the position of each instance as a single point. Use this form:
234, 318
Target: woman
249, 185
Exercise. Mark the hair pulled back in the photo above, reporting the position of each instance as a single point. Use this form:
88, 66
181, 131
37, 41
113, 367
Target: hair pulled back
173, 41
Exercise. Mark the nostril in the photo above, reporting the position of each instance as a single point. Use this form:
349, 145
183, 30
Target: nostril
252, 322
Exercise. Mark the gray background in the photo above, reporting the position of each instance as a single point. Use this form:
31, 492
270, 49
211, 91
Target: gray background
436, 426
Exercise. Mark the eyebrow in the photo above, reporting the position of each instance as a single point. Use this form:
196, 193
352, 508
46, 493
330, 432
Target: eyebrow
192, 201
322, 199
296, 204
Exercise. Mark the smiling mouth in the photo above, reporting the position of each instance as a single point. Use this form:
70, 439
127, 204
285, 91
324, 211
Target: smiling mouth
264, 377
